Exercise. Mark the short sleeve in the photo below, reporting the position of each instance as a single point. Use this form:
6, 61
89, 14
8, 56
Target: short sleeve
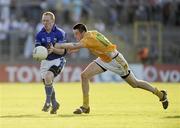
61, 37
37, 40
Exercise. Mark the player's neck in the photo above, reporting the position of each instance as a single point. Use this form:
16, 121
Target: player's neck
48, 30
83, 33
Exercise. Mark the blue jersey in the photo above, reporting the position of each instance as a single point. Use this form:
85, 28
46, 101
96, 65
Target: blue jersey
45, 39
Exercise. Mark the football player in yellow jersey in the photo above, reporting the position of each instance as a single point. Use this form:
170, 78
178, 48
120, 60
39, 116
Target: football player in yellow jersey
108, 59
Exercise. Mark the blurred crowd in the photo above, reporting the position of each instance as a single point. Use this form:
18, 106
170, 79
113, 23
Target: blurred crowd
20, 19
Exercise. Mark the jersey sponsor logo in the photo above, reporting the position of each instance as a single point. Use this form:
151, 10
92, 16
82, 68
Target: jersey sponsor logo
43, 40
55, 39
48, 39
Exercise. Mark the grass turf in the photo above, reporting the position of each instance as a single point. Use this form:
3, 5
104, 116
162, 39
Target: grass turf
112, 106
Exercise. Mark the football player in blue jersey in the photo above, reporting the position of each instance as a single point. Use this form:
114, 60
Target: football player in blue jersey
49, 36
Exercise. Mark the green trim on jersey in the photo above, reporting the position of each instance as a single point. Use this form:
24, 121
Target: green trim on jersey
103, 39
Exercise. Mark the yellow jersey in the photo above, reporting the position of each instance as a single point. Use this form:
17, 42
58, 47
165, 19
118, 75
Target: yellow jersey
98, 45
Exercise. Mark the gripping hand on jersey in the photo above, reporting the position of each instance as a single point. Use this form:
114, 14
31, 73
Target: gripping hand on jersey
53, 49
50, 48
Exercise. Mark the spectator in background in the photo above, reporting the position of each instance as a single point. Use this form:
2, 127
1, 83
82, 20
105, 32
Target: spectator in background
4, 28
86, 10
23, 27
148, 55
4, 45
5, 9
113, 17
166, 11
66, 12
141, 13
143, 55
100, 26
4, 25
28, 48
77, 10
39, 26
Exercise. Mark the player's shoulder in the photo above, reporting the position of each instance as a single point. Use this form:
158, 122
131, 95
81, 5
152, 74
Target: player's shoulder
60, 32
58, 29
91, 33
39, 33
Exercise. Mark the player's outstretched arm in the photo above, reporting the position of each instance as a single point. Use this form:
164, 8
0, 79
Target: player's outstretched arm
56, 50
70, 46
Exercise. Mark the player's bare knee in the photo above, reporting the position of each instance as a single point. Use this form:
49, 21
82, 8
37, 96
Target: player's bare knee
48, 78
84, 75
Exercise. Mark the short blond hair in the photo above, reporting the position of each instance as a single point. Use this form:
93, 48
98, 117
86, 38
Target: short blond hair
50, 14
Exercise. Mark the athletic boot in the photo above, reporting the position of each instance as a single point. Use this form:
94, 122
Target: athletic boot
54, 108
82, 110
46, 107
164, 100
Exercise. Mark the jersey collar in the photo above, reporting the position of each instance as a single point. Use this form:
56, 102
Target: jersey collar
53, 28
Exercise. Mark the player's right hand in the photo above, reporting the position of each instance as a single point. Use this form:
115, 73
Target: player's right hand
50, 48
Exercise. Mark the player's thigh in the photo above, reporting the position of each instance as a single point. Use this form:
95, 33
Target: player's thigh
91, 70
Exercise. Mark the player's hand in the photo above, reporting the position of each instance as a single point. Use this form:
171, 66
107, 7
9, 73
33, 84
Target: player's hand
50, 49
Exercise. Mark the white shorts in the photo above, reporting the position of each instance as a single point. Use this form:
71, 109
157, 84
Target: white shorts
47, 64
121, 68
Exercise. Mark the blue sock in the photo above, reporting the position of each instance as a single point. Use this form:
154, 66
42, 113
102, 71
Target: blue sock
48, 90
53, 98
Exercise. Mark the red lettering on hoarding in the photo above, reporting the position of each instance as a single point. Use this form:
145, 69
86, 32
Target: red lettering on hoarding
162, 73
71, 73
31, 73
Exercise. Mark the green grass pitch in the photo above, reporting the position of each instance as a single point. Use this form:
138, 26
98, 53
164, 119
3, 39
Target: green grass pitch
113, 105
